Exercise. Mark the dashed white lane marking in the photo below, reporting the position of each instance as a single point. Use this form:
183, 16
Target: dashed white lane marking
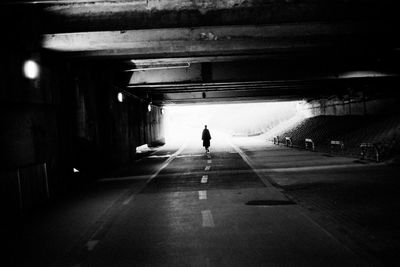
202, 194
209, 161
204, 179
208, 220
207, 168
91, 244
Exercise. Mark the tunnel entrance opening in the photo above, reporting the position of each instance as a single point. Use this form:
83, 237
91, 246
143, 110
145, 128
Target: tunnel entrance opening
186, 122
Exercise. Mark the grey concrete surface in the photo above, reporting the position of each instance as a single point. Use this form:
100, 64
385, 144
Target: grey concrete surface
171, 215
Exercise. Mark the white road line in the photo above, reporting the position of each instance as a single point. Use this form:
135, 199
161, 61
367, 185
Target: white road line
127, 178
202, 194
91, 244
207, 168
173, 156
207, 217
314, 168
209, 161
158, 156
189, 155
96, 232
126, 202
204, 179
246, 159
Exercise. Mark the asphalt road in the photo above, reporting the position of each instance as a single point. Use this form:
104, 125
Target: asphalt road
247, 203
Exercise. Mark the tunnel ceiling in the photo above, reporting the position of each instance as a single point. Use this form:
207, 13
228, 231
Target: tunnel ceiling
177, 51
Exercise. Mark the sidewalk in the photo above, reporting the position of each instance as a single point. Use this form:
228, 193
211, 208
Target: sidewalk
355, 201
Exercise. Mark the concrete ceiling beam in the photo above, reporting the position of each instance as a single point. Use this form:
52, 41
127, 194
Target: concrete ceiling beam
97, 15
304, 89
221, 40
219, 96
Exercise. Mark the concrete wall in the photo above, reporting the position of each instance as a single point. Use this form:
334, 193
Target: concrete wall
107, 131
358, 96
31, 114
68, 117
28, 110
352, 106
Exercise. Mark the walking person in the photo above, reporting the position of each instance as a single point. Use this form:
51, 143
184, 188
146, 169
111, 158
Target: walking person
206, 137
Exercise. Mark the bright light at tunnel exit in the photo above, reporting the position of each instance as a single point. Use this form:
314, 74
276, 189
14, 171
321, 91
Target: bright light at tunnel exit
248, 119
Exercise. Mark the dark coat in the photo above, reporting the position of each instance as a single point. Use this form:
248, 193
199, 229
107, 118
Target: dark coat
206, 137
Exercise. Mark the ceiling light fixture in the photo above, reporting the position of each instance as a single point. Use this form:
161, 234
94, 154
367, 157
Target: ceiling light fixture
31, 69
120, 97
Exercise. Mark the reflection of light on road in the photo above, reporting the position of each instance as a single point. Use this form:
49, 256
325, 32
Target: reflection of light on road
187, 122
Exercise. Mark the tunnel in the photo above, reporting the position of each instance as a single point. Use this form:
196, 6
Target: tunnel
200, 133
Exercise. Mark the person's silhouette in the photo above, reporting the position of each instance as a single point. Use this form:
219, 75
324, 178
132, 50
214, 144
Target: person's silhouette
206, 137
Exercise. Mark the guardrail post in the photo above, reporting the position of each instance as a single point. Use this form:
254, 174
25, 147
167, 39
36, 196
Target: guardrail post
276, 140
370, 146
337, 143
288, 141
308, 141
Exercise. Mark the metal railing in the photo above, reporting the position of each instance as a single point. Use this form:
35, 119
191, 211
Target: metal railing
32, 185
370, 150
335, 145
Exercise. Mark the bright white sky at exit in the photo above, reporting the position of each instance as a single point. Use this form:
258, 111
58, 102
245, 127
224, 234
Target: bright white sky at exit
233, 119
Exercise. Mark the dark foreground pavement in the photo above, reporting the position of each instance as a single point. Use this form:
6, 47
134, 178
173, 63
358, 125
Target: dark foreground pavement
183, 208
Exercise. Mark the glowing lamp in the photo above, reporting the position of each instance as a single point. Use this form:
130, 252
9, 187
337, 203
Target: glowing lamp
120, 97
31, 69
